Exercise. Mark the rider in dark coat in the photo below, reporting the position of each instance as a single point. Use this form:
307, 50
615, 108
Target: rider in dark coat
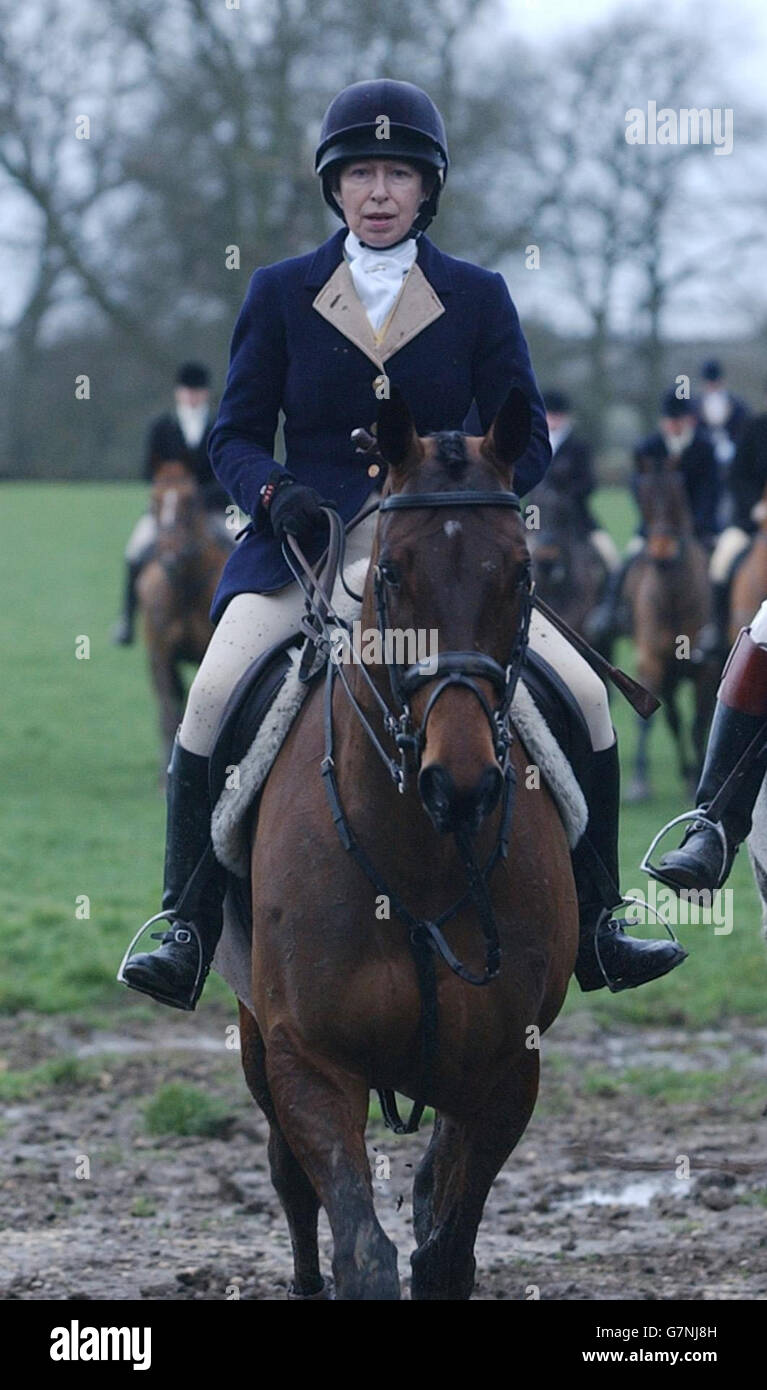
571, 471
682, 437
748, 475
166, 441
182, 435
288, 337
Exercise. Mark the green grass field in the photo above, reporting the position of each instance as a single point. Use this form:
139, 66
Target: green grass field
82, 814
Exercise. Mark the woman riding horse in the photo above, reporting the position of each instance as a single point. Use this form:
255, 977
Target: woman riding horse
320, 337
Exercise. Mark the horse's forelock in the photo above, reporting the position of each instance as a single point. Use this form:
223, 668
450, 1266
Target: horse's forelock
451, 451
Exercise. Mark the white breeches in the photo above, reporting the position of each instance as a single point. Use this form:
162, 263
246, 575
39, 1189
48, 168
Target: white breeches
253, 622
141, 537
759, 626
728, 546
608, 551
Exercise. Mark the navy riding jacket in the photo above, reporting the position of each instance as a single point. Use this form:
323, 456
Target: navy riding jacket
286, 356
698, 467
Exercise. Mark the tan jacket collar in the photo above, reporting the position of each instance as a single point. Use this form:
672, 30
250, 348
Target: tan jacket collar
416, 307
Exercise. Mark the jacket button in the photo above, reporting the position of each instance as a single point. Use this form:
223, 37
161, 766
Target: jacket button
374, 470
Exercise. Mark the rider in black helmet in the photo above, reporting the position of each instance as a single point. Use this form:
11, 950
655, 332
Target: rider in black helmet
377, 297
413, 129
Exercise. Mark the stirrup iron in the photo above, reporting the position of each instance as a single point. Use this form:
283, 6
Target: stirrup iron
657, 872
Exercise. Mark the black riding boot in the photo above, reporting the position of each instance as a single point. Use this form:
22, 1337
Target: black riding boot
125, 627
700, 861
606, 955
176, 971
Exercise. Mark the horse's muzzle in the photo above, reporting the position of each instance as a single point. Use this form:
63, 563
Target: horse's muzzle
451, 808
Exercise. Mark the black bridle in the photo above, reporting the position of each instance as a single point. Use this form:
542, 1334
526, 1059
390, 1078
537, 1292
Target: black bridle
453, 669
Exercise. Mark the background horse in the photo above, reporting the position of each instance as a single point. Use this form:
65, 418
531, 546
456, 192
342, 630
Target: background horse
669, 592
334, 984
569, 572
175, 589
749, 585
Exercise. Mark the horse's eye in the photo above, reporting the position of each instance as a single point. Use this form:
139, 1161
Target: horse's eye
389, 573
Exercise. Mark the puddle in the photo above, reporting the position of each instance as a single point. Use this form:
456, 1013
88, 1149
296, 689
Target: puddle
115, 1044
638, 1193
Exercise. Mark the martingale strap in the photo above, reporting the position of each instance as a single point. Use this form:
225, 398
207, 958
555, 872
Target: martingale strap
426, 936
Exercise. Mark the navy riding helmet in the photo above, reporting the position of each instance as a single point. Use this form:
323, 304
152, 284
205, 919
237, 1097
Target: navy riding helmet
352, 128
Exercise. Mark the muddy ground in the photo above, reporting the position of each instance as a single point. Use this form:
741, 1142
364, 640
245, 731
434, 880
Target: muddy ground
589, 1207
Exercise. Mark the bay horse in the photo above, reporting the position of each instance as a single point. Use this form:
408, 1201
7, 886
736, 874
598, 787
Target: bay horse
335, 984
569, 572
175, 589
669, 594
749, 585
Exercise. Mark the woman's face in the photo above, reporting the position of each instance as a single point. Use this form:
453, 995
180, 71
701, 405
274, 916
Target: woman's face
380, 198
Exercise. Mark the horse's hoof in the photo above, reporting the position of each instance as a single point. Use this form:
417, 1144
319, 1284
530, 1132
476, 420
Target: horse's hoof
323, 1295
638, 791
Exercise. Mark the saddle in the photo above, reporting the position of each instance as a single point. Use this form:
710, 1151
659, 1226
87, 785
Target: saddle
263, 685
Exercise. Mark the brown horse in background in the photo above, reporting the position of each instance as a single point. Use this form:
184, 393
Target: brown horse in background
669, 592
175, 589
570, 574
334, 981
749, 585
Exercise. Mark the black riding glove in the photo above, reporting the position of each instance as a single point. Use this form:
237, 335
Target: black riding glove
294, 509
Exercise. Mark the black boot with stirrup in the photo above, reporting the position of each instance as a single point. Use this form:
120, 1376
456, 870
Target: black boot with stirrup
175, 972
606, 954
706, 854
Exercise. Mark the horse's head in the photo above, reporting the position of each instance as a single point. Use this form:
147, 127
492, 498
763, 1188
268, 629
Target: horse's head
176, 504
665, 507
457, 576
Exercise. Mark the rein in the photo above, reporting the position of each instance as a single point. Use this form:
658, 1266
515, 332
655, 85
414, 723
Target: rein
453, 669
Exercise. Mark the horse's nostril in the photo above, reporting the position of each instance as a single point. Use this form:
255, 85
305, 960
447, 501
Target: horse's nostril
491, 786
450, 808
436, 788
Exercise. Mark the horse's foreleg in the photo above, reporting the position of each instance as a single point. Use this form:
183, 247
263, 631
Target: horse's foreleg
459, 1173
298, 1198
423, 1187
322, 1110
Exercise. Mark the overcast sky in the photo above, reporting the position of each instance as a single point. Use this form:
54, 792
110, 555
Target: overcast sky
742, 23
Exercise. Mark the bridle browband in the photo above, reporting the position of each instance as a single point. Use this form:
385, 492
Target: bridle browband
452, 669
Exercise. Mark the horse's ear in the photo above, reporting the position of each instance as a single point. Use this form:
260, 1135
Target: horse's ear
509, 434
398, 442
